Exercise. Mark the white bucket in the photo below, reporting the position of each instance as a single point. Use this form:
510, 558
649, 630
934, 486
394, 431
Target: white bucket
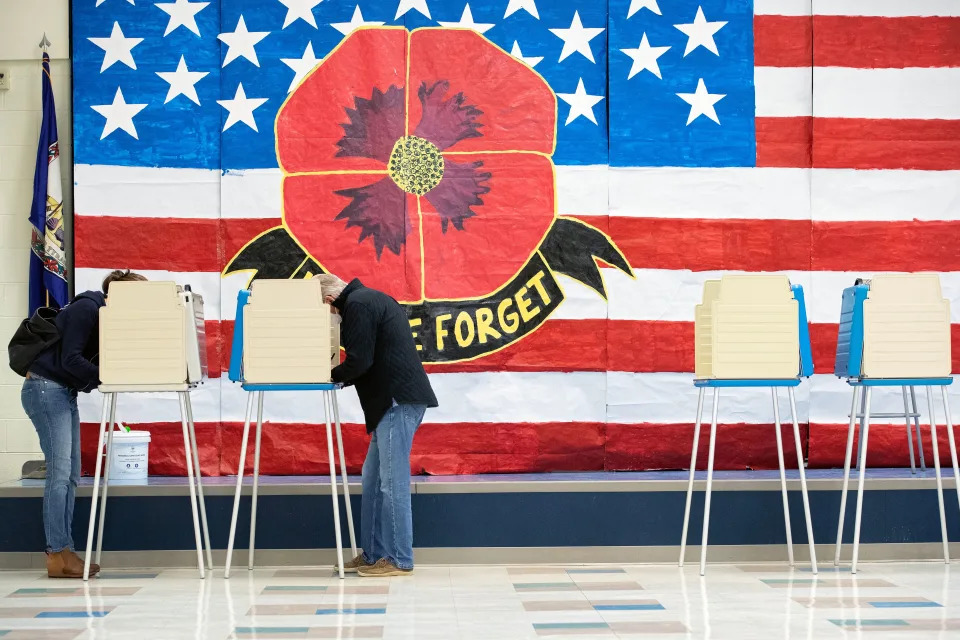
131, 453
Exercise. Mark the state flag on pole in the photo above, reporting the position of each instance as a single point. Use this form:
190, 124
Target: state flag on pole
48, 268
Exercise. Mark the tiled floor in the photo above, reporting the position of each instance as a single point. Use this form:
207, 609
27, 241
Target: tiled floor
920, 600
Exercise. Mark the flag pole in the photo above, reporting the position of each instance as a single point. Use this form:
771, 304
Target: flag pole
44, 44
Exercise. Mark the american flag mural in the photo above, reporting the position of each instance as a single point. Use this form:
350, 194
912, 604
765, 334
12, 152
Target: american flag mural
545, 185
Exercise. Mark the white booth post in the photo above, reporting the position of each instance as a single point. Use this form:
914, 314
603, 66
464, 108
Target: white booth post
151, 341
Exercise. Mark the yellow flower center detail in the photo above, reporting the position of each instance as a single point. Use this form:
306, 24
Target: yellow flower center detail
416, 165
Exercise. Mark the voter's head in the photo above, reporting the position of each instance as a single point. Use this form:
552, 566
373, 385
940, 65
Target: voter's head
330, 287
120, 275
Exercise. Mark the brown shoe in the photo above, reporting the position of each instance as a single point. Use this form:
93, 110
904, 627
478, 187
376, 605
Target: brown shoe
64, 565
383, 569
94, 567
354, 565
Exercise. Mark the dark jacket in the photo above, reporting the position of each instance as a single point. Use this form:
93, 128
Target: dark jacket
382, 360
72, 360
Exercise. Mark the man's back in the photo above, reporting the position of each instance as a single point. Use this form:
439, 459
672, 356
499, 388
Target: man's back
382, 358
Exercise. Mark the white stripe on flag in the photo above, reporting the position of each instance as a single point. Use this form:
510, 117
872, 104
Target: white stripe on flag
782, 7
838, 195
881, 8
146, 192
840, 92
616, 397
700, 192
654, 295
893, 195
783, 92
643, 192
150, 192
660, 294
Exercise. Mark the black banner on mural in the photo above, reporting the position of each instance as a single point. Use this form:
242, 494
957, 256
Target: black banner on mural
572, 248
466, 329
451, 331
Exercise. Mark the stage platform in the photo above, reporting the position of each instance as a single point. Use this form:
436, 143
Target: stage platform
506, 519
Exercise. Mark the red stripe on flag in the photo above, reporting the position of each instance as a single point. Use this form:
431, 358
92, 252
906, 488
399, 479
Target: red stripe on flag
784, 142
170, 244
782, 41
708, 245
217, 359
173, 244
886, 246
557, 345
858, 143
465, 448
644, 447
471, 448
647, 243
886, 447
884, 144
868, 42
775, 245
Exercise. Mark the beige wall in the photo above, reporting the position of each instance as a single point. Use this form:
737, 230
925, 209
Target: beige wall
22, 24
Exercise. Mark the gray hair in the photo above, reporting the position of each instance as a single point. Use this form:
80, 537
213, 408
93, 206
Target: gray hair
330, 285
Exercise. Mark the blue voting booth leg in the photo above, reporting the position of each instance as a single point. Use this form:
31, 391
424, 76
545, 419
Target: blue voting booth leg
332, 417
863, 394
774, 385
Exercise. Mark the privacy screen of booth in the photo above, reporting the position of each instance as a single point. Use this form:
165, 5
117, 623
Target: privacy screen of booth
545, 186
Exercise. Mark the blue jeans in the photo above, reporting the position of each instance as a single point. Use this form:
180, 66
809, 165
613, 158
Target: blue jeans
53, 410
386, 520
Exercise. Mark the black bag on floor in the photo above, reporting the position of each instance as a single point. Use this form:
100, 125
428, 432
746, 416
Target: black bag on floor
31, 338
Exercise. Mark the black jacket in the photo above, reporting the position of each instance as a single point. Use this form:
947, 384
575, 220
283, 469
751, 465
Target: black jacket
72, 360
382, 360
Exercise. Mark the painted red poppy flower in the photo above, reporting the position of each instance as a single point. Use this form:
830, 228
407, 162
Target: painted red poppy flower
419, 162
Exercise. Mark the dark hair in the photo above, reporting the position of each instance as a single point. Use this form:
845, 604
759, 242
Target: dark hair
120, 275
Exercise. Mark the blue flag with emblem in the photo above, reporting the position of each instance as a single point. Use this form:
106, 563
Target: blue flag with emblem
48, 268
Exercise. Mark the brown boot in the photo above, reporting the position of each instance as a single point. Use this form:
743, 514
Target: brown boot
352, 566
63, 565
383, 568
94, 567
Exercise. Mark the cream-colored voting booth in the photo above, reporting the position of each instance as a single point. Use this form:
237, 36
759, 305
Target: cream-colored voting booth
746, 327
750, 331
906, 327
289, 335
152, 340
286, 339
894, 332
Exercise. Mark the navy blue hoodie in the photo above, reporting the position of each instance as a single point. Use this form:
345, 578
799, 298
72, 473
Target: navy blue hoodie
72, 360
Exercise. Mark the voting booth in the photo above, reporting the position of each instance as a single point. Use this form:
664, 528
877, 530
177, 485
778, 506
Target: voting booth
289, 334
285, 338
894, 332
152, 340
747, 327
750, 331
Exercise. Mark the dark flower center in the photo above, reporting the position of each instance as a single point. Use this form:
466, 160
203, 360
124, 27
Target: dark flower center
416, 165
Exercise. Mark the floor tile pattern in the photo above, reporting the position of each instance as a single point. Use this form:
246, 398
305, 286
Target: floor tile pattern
888, 600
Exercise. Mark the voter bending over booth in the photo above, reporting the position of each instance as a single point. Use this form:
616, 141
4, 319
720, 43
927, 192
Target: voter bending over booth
383, 364
49, 397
